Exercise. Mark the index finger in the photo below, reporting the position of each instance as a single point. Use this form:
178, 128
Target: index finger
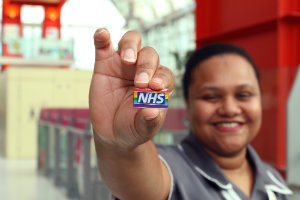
129, 45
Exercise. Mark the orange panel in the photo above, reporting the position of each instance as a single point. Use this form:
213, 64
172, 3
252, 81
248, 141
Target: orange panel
38, 2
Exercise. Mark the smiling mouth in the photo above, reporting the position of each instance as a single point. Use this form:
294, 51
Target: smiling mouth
228, 126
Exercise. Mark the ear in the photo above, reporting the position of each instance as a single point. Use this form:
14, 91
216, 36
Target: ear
187, 107
187, 120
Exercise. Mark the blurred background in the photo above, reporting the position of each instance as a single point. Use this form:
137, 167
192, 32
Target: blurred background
46, 63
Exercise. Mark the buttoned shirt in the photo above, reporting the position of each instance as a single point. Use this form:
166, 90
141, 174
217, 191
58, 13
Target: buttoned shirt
196, 176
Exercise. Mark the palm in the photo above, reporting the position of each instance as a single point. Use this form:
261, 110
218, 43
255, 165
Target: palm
114, 119
112, 105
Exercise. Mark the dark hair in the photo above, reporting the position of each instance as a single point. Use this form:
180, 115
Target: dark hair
208, 51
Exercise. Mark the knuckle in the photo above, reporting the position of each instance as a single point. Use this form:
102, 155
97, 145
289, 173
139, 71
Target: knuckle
169, 76
149, 50
148, 58
168, 72
145, 65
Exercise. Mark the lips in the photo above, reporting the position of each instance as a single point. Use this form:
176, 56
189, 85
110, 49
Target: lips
228, 126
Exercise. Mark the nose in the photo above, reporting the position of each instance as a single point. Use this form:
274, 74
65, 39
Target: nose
229, 107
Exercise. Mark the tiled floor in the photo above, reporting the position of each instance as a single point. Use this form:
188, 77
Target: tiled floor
19, 180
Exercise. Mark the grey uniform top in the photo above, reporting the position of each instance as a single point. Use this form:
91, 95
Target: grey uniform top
195, 175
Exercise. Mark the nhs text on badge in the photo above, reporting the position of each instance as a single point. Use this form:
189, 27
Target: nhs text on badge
147, 98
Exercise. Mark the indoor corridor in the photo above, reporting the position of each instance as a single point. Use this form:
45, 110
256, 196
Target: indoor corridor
19, 179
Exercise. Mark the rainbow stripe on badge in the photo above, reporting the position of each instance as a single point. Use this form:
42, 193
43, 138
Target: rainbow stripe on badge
147, 98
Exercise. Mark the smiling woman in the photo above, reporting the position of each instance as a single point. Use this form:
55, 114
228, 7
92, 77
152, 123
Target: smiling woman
223, 102
225, 112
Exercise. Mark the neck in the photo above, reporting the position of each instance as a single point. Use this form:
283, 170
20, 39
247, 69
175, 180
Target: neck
238, 161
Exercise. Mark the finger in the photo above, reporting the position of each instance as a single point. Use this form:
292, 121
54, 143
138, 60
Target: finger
129, 45
146, 65
162, 79
148, 122
103, 44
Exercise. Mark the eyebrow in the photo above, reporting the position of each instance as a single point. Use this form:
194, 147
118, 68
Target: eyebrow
243, 86
209, 88
213, 88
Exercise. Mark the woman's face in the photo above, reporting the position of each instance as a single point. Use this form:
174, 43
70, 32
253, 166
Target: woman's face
224, 104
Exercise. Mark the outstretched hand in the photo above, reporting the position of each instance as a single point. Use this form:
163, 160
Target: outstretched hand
116, 74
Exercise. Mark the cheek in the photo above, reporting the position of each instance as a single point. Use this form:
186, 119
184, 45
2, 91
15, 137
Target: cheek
200, 112
254, 109
254, 112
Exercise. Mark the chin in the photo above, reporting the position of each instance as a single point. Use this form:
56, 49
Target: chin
231, 149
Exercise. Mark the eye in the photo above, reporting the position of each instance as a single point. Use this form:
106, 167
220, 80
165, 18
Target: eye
244, 95
211, 97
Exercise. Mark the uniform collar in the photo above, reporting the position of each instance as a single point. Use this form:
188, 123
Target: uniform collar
266, 178
203, 162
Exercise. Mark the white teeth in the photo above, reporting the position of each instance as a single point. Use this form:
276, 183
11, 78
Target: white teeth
227, 125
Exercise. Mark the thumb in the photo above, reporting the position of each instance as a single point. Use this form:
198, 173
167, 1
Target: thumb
148, 122
103, 44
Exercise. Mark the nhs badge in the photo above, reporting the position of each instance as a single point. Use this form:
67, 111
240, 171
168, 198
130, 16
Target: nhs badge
147, 98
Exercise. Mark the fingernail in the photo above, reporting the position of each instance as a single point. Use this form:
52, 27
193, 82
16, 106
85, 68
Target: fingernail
101, 31
142, 78
98, 33
129, 55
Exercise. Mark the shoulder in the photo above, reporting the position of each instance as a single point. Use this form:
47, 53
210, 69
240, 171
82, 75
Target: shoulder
173, 156
167, 150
